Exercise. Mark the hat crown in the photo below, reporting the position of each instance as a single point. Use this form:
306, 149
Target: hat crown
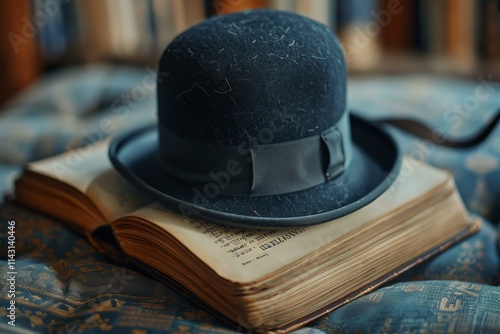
253, 127
230, 77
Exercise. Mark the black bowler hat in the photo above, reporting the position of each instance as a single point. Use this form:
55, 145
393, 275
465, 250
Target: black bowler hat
254, 129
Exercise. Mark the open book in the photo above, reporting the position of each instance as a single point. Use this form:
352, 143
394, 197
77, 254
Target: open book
273, 280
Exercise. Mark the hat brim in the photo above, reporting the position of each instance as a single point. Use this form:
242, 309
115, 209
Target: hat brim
375, 164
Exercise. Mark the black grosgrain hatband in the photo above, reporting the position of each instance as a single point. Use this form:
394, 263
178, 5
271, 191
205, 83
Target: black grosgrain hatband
259, 170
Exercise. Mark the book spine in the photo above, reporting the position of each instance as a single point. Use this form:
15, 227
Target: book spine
96, 41
491, 30
219, 7
398, 26
359, 31
461, 42
319, 10
194, 12
169, 21
51, 34
20, 56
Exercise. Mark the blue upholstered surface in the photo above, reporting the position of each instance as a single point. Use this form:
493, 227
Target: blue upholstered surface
63, 285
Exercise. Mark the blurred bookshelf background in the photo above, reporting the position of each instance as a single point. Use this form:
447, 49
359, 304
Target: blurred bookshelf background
458, 37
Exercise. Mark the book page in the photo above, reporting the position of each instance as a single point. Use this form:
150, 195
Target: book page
89, 170
246, 255
77, 168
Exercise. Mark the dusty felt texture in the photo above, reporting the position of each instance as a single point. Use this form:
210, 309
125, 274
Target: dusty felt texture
247, 79
226, 79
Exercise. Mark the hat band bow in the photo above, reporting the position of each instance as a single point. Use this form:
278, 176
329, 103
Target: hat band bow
257, 170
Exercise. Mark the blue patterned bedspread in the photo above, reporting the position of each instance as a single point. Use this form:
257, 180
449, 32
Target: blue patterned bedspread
63, 285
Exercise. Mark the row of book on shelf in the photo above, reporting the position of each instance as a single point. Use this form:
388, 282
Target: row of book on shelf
465, 30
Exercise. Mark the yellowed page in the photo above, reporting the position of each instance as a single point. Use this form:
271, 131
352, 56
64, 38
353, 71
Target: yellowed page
77, 168
248, 255
89, 170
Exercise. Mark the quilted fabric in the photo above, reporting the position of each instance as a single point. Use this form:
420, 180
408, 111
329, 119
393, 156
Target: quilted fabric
63, 285
454, 108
